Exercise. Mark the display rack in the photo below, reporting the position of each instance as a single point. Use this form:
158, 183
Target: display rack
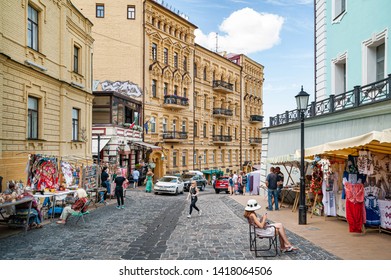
90, 177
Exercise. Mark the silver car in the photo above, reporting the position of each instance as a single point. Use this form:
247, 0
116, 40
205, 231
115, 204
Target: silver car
169, 184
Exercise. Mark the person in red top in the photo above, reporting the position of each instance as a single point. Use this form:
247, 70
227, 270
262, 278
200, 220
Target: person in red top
77, 206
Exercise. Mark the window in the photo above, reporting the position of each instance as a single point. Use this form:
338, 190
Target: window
205, 102
154, 52
32, 121
184, 158
214, 75
165, 89
164, 125
165, 53
229, 156
131, 12
236, 133
213, 156
185, 92
175, 90
195, 158
221, 155
339, 8
130, 115
183, 126
176, 60
100, 10
204, 129
76, 53
214, 130
205, 156
185, 63
152, 122
153, 88
174, 125
195, 130
32, 28
380, 54
229, 131
204, 73
174, 158
75, 124
195, 70
340, 77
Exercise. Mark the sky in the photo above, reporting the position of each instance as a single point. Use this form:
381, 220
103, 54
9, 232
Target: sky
277, 34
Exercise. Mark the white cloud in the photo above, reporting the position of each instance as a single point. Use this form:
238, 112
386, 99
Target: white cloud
244, 31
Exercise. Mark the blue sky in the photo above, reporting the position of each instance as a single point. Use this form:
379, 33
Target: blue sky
276, 33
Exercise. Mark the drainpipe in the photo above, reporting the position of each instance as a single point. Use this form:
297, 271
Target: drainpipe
315, 72
240, 123
194, 108
143, 91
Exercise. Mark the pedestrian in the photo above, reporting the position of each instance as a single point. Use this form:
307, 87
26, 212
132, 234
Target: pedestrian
235, 180
280, 180
244, 182
148, 187
119, 190
213, 179
136, 176
271, 184
193, 195
240, 182
104, 177
231, 184
263, 228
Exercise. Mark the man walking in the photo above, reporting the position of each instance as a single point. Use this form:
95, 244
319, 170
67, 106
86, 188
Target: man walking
136, 175
271, 184
280, 180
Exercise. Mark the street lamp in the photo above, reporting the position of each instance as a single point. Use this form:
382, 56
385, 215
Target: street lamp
302, 104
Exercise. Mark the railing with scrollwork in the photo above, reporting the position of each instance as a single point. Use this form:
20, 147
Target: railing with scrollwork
175, 135
222, 111
177, 100
256, 118
222, 138
255, 140
219, 83
360, 96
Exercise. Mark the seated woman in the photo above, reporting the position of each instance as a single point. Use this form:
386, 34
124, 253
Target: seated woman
77, 206
35, 219
264, 229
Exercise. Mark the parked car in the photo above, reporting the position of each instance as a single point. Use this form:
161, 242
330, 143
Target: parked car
169, 184
188, 177
221, 184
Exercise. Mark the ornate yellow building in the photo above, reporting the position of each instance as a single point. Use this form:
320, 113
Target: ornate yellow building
203, 108
45, 83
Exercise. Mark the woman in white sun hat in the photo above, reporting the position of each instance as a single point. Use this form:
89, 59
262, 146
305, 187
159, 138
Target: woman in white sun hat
264, 229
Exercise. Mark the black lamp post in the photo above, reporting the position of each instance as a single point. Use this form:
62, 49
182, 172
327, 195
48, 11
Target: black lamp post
302, 104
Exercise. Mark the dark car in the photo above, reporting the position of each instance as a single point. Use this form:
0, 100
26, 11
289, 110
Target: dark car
188, 177
221, 184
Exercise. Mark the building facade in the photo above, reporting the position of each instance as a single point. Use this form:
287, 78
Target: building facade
352, 75
194, 100
45, 83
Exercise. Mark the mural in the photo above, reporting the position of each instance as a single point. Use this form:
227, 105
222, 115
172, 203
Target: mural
124, 87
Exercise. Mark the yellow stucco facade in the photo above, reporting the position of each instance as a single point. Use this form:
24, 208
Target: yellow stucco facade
45, 57
198, 103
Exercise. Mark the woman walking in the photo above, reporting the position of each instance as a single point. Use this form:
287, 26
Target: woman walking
119, 190
193, 194
148, 187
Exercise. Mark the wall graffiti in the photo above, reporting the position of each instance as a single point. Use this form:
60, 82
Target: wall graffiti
124, 87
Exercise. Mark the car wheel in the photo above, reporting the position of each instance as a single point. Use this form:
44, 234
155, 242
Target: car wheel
226, 191
155, 192
217, 191
176, 191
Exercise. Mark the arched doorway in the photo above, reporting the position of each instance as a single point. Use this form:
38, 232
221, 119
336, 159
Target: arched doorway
158, 159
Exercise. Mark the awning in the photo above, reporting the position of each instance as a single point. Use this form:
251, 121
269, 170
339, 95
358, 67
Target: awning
283, 159
102, 144
375, 141
257, 167
147, 145
213, 171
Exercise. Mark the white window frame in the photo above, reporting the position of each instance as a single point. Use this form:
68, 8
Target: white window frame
369, 56
33, 28
336, 10
164, 125
339, 77
152, 121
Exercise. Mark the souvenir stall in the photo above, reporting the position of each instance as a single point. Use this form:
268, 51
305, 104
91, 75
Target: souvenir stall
253, 182
356, 183
42, 173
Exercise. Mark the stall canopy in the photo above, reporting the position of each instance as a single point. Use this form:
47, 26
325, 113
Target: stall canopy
213, 171
103, 142
284, 159
147, 145
375, 141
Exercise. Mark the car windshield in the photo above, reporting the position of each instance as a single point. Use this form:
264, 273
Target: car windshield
187, 176
168, 180
223, 179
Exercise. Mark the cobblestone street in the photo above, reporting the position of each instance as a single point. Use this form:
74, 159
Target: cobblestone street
153, 227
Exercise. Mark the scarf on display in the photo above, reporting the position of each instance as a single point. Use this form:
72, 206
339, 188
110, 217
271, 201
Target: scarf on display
43, 173
67, 171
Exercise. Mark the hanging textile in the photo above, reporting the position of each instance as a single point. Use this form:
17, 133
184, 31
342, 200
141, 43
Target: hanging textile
42, 172
372, 206
67, 172
355, 211
365, 163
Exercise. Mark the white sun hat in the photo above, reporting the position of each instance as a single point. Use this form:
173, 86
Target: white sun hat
252, 205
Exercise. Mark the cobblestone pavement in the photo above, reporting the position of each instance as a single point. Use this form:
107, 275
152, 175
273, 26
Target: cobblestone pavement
151, 227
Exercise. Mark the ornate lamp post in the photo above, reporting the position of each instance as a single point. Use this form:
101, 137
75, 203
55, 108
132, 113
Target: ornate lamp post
302, 104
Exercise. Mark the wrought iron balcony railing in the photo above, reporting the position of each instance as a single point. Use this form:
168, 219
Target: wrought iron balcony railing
222, 138
360, 96
176, 100
256, 118
255, 140
221, 111
174, 135
223, 86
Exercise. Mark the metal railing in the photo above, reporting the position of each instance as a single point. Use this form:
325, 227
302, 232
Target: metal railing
175, 135
177, 100
256, 118
222, 138
219, 83
255, 140
222, 111
360, 96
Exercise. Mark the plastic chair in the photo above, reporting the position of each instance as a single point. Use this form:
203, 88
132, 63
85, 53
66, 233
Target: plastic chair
257, 246
82, 212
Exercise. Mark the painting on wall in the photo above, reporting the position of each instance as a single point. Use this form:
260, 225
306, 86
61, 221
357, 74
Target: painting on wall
126, 88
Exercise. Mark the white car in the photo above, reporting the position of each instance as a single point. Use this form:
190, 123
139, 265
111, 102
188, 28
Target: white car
169, 184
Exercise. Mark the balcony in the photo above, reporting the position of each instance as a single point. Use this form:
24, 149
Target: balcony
255, 140
223, 87
222, 139
222, 113
174, 136
175, 102
256, 119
